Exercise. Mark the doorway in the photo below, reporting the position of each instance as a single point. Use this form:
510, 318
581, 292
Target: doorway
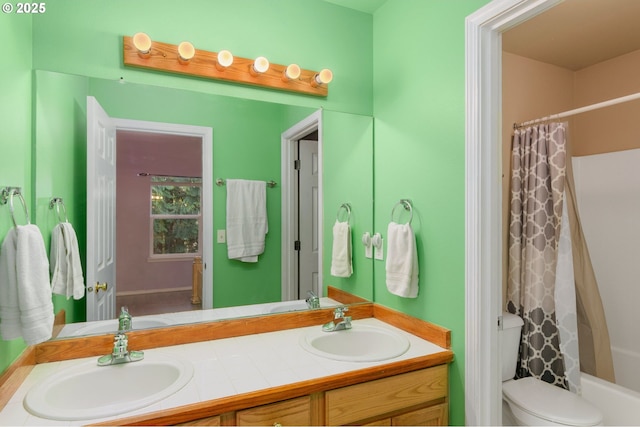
101, 212
302, 208
158, 221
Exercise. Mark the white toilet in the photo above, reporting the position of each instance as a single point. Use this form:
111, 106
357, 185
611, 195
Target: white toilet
533, 402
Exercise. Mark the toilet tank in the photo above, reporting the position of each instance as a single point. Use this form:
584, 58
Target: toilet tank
511, 329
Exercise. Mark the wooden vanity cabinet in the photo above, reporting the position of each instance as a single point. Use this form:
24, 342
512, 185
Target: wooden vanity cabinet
418, 398
293, 412
414, 398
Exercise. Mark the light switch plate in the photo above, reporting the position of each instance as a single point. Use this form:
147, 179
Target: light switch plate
222, 236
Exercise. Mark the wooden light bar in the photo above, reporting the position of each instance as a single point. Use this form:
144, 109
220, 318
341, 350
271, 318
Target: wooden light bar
164, 57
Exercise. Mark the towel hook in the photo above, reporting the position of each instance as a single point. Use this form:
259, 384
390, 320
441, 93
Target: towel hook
347, 207
406, 204
57, 203
7, 195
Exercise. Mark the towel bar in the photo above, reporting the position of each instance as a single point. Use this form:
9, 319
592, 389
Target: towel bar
56, 202
220, 182
406, 204
347, 207
7, 196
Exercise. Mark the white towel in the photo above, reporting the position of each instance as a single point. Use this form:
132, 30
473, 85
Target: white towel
67, 277
246, 219
402, 261
341, 265
9, 309
27, 271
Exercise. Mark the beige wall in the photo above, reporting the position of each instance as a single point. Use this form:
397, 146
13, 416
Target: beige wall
612, 128
533, 89
530, 89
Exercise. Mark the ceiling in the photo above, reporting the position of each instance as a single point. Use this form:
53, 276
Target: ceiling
367, 6
578, 33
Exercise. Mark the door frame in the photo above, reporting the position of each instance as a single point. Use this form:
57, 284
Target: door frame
287, 149
206, 135
483, 200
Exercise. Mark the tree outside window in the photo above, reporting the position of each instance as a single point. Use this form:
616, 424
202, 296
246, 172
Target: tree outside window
175, 217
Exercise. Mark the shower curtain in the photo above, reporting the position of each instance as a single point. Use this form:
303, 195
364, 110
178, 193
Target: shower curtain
545, 265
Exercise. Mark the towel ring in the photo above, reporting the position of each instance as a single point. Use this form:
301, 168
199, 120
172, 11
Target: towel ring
347, 207
406, 204
8, 193
57, 203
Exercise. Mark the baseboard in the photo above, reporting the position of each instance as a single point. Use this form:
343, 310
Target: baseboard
152, 291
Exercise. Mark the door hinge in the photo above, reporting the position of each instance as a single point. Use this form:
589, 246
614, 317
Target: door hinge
500, 323
296, 245
296, 164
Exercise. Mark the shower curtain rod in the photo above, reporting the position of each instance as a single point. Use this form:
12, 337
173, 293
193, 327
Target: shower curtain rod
592, 107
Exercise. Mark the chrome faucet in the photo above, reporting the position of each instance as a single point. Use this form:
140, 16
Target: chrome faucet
312, 301
125, 321
340, 322
120, 352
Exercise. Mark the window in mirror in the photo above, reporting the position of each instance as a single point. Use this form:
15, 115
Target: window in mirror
176, 224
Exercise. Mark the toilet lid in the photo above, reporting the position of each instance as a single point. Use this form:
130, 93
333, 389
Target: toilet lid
551, 403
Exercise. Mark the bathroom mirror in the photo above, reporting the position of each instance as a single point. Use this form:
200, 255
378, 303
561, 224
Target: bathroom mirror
246, 145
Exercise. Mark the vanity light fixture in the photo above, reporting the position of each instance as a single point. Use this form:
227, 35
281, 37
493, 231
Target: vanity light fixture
259, 66
139, 51
292, 72
142, 43
186, 52
324, 77
224, 60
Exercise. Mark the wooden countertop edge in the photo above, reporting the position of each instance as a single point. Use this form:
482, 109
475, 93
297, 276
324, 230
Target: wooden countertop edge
290, 391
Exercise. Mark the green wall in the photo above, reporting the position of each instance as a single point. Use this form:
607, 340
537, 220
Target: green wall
15, 132
85, 37
419, 111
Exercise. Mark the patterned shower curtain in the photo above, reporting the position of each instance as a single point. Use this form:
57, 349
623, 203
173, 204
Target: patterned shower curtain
541, 286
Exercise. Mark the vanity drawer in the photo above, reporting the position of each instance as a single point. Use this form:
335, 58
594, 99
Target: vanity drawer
294, 412
375, 398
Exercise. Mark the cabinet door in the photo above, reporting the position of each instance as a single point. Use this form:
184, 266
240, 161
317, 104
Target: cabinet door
432, 416
209, 421
294, 412
369, 400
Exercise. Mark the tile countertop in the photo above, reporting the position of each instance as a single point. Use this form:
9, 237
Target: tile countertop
224, 368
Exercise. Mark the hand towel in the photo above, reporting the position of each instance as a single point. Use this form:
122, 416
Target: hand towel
67, 277
402, 261
34, 288
9, 309
246, 219
341, 265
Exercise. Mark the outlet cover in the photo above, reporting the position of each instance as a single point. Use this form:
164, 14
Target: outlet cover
222, 236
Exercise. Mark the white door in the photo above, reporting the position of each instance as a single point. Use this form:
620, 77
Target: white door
101, 213
308, 217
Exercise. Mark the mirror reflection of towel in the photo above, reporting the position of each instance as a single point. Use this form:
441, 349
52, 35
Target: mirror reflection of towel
66, 269
402, 261
341, 265
247, 224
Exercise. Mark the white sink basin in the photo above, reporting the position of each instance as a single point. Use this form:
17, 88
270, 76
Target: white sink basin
111, 326
288, 306
88, 391
361, 343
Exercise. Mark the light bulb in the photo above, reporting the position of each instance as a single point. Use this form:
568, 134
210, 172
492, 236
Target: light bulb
260, 65
292, 72
142, 42
322, 78
186, 52
224, 60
